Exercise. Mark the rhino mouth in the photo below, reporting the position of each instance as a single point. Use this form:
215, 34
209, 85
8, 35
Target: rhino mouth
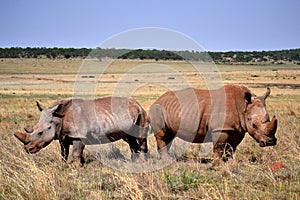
32, 150
271, 142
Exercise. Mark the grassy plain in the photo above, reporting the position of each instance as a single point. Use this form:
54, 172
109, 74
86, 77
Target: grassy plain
250, 175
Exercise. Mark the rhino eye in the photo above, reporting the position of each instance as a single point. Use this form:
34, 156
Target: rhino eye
40, 133
49, 127
254, 125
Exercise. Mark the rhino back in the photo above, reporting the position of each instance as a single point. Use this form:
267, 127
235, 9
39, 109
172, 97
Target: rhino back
183, 112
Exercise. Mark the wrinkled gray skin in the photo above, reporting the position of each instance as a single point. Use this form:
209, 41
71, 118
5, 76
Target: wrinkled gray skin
220, 116
78, 122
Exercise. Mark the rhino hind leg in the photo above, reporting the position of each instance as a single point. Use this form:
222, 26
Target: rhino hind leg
144, 152
134, 146
164, 141
137, 139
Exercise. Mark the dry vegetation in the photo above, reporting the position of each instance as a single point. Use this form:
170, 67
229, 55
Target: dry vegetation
254, 173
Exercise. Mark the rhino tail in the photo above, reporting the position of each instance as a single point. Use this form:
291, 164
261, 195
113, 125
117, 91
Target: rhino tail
157, 118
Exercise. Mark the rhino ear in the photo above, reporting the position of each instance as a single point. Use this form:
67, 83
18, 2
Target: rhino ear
56, 109
58, 115
40, 107
248, 97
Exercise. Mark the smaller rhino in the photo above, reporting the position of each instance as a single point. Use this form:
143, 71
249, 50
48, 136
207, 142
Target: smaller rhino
78, 122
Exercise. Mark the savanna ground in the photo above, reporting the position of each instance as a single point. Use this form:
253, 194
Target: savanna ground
254, 173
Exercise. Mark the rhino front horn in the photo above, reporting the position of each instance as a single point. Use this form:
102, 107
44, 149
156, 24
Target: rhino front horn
23, 137
272, 126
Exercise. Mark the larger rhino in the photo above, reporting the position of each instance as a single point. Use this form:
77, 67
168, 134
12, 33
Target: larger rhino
222, 116
79, 122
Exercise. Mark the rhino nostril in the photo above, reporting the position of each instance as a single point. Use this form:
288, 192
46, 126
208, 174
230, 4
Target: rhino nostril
27, 150
262, 144
274, 141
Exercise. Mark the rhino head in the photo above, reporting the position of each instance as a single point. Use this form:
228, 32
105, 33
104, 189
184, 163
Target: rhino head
44, 132
258, 122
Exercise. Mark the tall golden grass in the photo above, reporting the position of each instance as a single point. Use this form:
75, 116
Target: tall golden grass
250, 175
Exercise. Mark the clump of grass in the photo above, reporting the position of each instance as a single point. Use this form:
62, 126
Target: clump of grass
183, 180
22, 178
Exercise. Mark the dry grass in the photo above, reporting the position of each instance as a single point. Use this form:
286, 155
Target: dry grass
44, 176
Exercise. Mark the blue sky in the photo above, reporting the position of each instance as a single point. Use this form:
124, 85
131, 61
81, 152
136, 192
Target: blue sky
214, 24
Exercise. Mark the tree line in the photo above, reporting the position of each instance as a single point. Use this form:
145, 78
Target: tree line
291, 55
36, 52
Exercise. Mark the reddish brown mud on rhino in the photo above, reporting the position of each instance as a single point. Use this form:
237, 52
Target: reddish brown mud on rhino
221, 116
78, 122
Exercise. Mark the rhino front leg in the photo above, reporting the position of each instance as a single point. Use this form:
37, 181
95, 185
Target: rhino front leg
226, 143
221, 147
65, 146
78, 147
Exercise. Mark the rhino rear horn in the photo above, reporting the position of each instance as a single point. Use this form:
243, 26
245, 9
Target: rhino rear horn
28, 129
268, 92
23, 137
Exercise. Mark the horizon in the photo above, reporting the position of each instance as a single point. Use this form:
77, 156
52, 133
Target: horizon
189, 50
